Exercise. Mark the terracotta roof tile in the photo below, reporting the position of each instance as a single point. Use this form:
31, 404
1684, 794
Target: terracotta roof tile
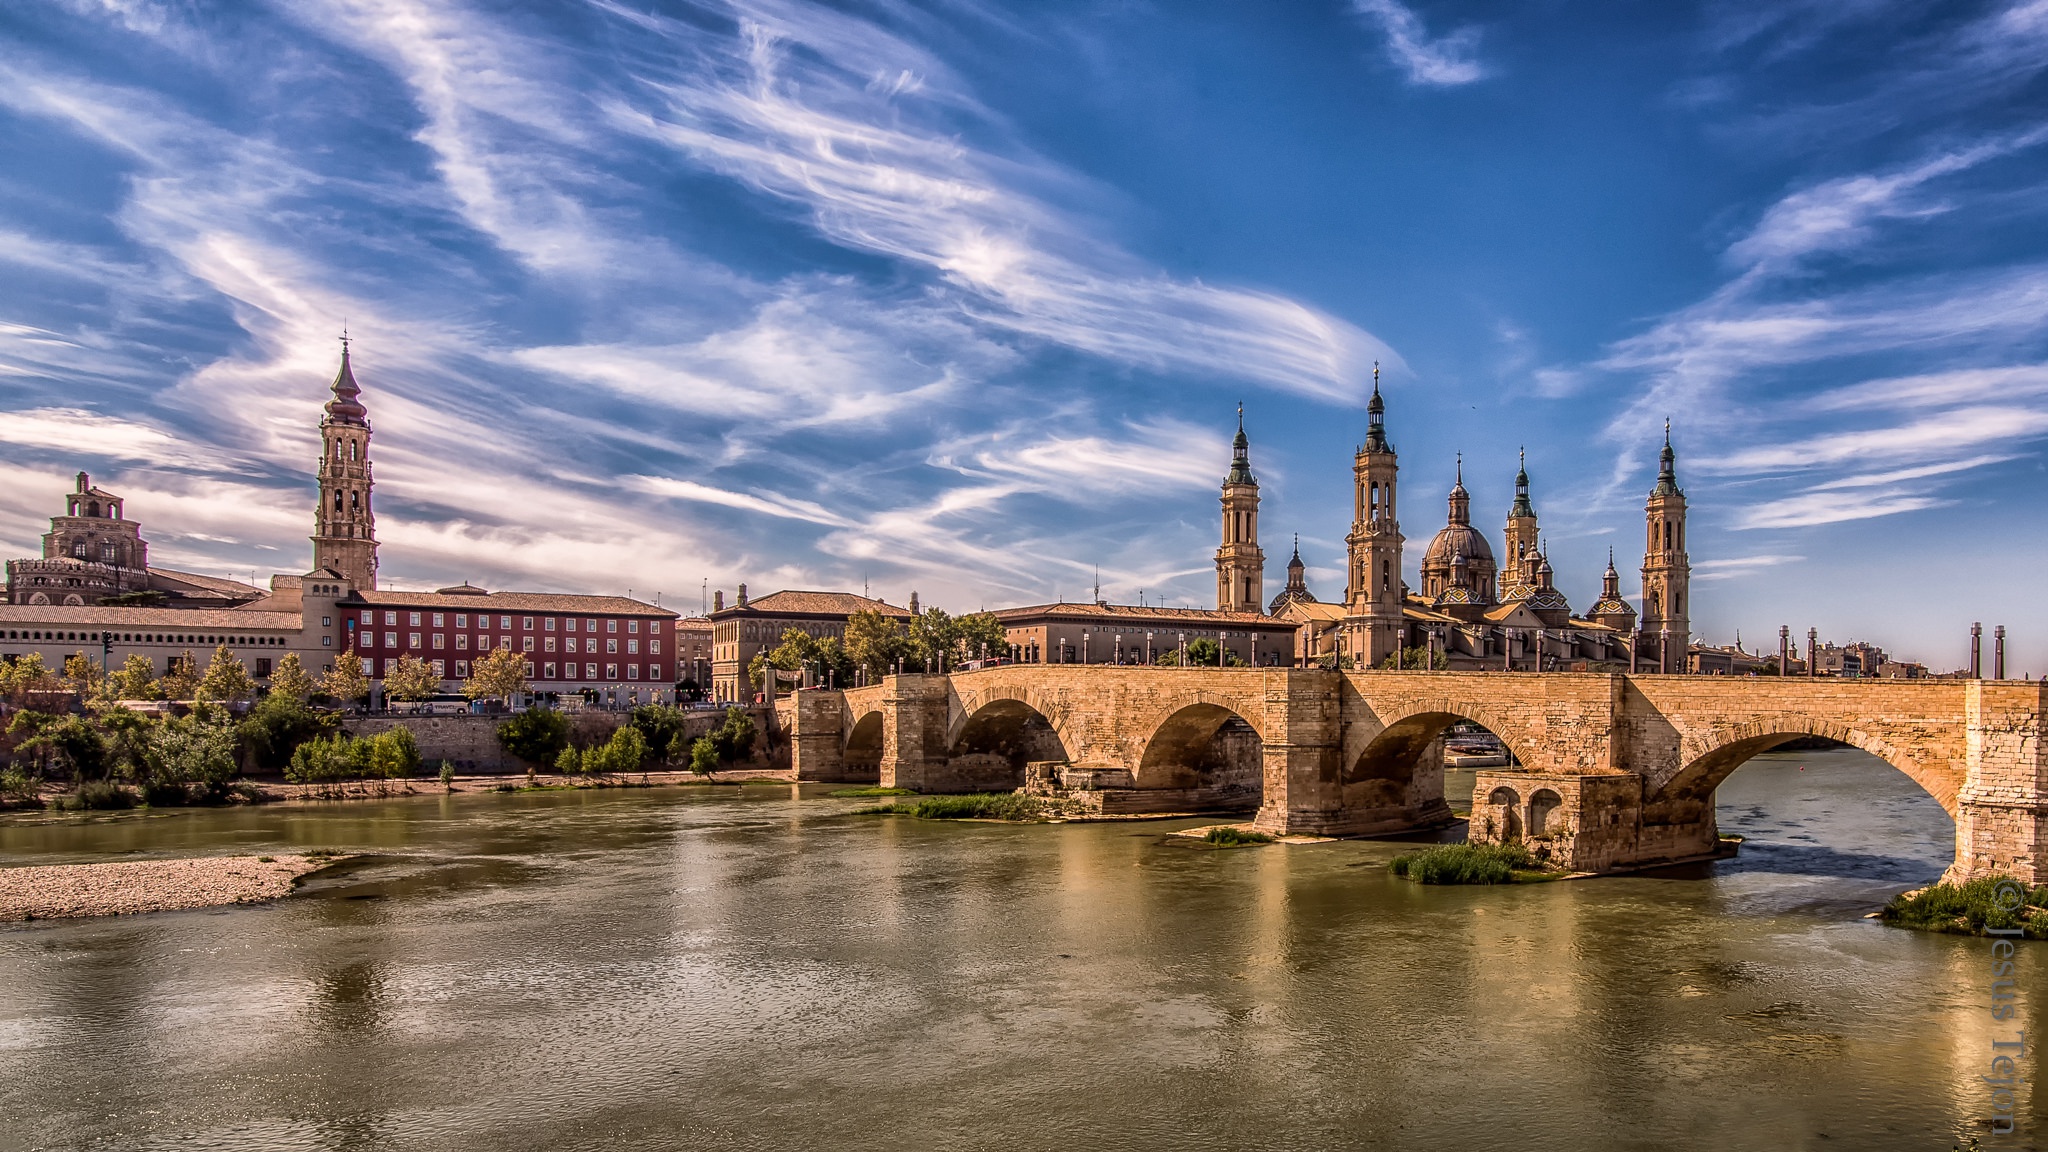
797, 602
31, 615
508, 602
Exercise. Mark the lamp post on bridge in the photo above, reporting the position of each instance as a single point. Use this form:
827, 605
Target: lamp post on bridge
1813, 651
1149, 658
1784, 651
1119, 659
1998, 653
1976, 651
1181, 661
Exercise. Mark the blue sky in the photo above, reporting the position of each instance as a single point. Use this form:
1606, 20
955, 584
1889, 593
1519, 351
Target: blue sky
962, 296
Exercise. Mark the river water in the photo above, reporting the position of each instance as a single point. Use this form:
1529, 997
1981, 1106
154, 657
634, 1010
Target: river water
741, 968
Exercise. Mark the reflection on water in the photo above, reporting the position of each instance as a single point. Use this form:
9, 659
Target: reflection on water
701, 967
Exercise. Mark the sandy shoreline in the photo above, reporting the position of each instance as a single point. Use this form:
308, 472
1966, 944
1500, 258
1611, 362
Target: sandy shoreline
50, 891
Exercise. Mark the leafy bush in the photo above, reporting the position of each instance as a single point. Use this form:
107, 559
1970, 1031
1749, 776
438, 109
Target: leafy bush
1971, 908
734, 739
277, 725
569, 762
1229, 837
187, 752
535, 736
1465, 864
662, 726
97, 794
447, 775
389, 755
394, 755
704, 756
622, 753
975, 806
18, 787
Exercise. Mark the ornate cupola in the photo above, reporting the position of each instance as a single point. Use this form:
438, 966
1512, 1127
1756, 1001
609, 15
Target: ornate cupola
1240, 564
1458, 568
344, 523
1520, 537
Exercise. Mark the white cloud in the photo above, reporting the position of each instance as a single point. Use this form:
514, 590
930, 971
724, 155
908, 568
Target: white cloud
1446, 60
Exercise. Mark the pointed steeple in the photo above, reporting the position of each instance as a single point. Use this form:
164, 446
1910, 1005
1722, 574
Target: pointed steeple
1240, 455
1461, 500
1376, 416
345, 408
1295, 564
1667, 473
1521, 507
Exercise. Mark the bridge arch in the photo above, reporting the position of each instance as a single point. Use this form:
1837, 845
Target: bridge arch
1386, 772
862, 756
1705, 760
990, 745
1209, 751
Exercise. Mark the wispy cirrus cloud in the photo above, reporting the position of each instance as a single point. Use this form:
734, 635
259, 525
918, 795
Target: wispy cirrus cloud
1445, 60
865, 132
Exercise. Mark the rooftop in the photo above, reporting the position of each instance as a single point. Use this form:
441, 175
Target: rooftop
797, 602
482, 601
1101, 611
32, 615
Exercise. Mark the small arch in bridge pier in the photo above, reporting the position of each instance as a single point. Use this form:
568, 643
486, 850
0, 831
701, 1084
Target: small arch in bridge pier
1543, 808
1506, 805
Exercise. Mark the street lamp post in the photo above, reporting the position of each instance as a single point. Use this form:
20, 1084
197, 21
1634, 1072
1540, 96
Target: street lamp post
1119, 659
1149, 657
1182, 659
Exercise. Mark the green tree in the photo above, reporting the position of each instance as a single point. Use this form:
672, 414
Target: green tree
500, 675
660, 724
569, 762
277, 725
345, 681
621, 754
181, 677
934, 636
23, 679
874, 643
83, 677
734, 738
68, 743
1416, 658
394, 755
226, 680
135, 680
1202, 653
410, 678
982, 636
291, 679
191, 751
536, 736
704, 756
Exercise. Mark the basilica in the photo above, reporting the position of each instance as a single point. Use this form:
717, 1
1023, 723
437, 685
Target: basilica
1475, 610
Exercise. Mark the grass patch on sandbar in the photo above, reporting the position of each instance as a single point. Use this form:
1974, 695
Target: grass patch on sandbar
1225, 836
849, 793
975, 806
1970, 908
1468, 864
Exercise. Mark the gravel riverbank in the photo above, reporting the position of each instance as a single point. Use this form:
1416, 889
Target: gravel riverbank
49, 891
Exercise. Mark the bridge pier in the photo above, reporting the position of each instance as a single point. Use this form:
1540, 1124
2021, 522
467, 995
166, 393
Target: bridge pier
2002, 808
914, 712
1302, 792
817, 733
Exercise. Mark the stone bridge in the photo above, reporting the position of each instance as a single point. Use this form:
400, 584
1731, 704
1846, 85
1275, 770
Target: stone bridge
1611, 771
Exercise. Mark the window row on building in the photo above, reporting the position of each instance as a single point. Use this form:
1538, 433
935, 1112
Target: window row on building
462, 642
546, 671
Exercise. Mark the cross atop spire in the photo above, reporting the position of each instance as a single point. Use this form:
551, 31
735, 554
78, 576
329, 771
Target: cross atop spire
345, 408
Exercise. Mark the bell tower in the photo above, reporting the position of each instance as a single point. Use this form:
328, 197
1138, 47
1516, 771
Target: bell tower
1372, 594
1240, 563
344, 527
1521, 532
1666, 572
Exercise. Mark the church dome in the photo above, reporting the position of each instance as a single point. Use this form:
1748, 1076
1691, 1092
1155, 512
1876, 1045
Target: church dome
1455, 539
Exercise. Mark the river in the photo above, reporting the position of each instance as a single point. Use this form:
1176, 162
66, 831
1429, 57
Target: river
740, 968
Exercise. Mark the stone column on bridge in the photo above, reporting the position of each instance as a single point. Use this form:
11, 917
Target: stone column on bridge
914, 730
817, 734
1303, 741
2002, 808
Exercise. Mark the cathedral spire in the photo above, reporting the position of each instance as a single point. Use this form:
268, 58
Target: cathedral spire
1240, 455
1667, 472
1522, 507
1376, 416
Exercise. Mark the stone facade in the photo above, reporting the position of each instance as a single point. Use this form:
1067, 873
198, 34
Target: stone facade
1614, 771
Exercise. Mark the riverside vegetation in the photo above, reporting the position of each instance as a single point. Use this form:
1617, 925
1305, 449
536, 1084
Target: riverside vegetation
1969, 909
1471, 864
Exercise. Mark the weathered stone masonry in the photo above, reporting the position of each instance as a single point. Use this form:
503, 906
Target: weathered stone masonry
1612, 772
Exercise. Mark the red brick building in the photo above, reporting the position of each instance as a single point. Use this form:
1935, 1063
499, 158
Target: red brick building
570, 642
